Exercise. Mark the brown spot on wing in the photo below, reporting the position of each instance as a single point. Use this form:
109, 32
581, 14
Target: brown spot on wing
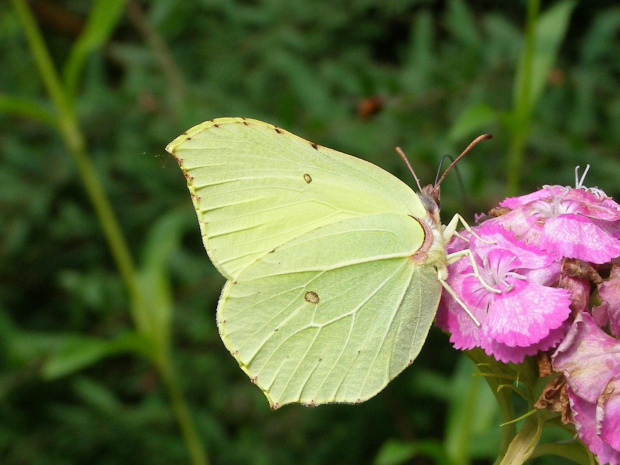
312, 297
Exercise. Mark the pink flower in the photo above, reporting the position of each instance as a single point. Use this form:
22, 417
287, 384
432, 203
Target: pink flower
590, 361
535, 263
572, 223
525, 316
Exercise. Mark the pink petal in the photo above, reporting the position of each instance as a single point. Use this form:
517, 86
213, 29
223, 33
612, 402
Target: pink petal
546, 276
579, 290
456, 243
588, 357
505, 354
542, 194
526, 314
530, 256
584, 414
525, 225
590, 205
601, 315
609, 292
451, 317
575, 236
610, 418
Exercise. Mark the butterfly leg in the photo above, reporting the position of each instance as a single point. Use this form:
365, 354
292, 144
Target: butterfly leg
456, 256
449, 230
450, 291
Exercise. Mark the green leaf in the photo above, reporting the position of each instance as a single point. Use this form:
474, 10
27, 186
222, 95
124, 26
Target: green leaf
549, 34
395, 452
103, 18
25, 347
473, 404
78, 352
460, 22
472, 120
573, 450
525, 442
28, 108
420, 62
599, 39
163, 240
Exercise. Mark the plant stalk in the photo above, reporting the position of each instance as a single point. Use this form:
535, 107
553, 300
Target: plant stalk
73, 137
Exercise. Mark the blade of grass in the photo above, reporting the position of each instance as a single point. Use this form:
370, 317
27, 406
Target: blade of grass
28, 108
74, 139
102, 20
543, 37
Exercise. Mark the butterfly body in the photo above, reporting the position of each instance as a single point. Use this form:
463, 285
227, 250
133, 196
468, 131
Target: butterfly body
334, 266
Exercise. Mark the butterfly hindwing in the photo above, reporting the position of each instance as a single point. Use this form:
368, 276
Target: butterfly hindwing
334, 315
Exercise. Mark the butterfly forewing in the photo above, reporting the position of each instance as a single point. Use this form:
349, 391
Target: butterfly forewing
256, 187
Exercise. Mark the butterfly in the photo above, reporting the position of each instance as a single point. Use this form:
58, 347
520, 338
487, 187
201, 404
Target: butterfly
334, 267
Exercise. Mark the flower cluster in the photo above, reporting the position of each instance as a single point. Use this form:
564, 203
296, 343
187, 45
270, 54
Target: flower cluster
540, 276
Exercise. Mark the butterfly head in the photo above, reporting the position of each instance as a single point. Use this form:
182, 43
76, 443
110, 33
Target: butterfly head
430, 195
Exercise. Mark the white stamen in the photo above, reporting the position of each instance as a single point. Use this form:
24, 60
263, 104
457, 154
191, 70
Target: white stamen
579, 182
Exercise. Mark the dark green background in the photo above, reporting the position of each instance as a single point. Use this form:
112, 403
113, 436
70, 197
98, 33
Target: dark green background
444, 71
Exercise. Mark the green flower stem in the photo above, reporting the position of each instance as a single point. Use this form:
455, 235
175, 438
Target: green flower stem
523, 103
74, 139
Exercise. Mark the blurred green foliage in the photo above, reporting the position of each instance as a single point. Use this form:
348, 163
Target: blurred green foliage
102, 366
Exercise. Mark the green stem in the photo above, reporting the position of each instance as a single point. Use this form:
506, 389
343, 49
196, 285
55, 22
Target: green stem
74, 139
181, 411
523, 103
509, 429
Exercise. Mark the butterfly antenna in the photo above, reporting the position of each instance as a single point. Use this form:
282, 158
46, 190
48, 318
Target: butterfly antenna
441, 161
404, 157
459, 179
475, 142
